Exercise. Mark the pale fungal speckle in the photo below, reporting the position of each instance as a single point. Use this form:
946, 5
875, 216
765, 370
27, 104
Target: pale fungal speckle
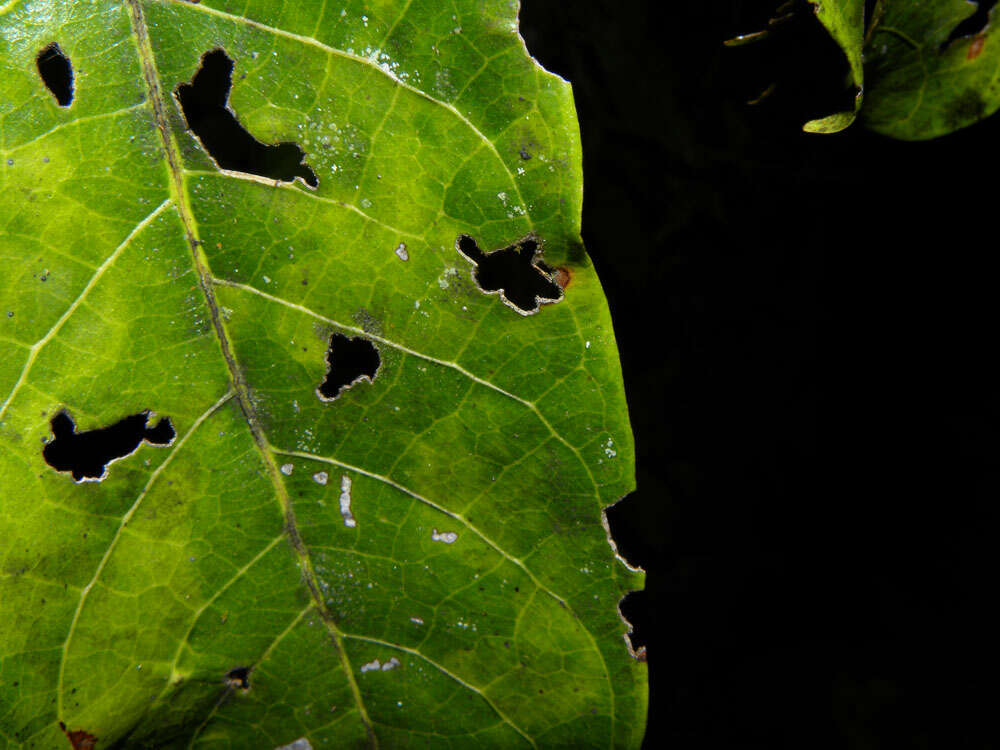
321, 477
391, 664
287, 469
587, 345
401, 252
300, 744
416, 621
608, 450
447, 537
345, 502
371, 666
443, 278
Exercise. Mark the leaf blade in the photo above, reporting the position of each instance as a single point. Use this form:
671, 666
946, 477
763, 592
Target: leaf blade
208, 520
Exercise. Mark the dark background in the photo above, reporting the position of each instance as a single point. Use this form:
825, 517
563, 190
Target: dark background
807, 327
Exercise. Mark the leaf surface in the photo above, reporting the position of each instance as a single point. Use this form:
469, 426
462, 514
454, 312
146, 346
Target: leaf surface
915, 79
419, 559
845, 21
922, 84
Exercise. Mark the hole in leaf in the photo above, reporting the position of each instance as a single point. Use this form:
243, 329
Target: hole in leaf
348, 361
205, 104
57, 73
634, 610
239, 677
87, 454
515, 272
974, 24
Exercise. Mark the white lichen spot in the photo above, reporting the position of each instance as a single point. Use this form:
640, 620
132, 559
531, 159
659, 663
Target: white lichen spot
416, 621
287, 469
401, 252
443, 278
587, 345
608, 450
345, 502
447, 536
321, 477
300, 744
391, 664
372, 666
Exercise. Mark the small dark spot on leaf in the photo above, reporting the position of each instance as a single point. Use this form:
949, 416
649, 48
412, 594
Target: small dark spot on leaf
205, 104
79, 739
57, 73
516, 272
87, 454
239, 677
524, 154
348, 361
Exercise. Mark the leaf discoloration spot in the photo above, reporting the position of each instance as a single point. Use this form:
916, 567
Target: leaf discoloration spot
78, 738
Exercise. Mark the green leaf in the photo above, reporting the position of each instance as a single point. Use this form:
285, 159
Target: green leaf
845, 20
912, 82
420, 560
921, 86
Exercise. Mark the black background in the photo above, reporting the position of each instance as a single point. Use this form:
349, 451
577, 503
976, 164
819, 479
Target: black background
807, 327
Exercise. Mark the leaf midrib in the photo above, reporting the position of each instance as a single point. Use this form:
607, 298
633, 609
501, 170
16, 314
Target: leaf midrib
183, 206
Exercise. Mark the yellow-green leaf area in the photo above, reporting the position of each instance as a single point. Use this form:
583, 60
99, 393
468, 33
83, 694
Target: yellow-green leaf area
845, 21
421, 560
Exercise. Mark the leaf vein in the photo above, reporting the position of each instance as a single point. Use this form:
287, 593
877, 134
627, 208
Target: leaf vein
114, 543
447, 672
310, 41
40, 344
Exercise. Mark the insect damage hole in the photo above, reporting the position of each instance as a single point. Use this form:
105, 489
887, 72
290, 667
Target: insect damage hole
238, 677
348, 361
205, 105
87, 455
515, 272
57, 73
